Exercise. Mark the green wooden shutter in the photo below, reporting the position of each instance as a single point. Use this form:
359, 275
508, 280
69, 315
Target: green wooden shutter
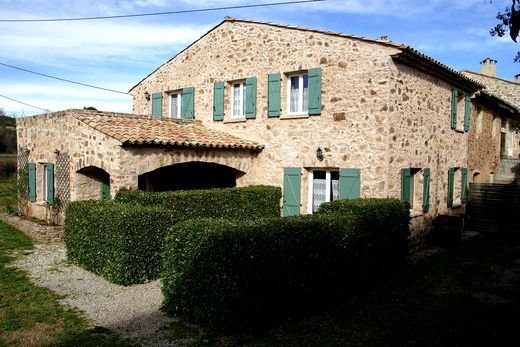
405, 185
464, 182
105, 187
273, 99
218, 101
187, 110
451, 177
49, 173
426, 190
291, 191
349, 183
251, 97
157, 104
31, 171
454, 98
315, 91
467, 113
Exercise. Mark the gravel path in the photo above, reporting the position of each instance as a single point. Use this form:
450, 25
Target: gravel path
131, 312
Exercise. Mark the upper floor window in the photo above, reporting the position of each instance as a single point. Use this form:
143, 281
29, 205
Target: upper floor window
298, 94
175, 105
239, 100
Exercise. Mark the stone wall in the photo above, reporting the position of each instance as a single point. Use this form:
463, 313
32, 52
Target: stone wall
376, 115
484, 144
47, 135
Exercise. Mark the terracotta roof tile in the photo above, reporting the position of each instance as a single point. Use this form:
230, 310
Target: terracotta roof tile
135, 130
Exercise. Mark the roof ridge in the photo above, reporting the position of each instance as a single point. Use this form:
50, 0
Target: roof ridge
494, 77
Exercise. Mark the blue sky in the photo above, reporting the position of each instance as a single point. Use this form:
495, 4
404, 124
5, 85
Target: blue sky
118, 53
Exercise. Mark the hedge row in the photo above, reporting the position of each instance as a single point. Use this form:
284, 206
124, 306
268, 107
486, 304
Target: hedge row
243, 275
232, 203
122, 240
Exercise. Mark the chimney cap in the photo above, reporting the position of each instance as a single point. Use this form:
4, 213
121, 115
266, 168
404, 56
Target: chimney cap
384, 37
488, 60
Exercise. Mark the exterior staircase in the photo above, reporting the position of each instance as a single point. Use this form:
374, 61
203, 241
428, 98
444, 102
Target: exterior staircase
508, 171
493, 207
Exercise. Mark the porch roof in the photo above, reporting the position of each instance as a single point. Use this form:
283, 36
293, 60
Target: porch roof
136, 130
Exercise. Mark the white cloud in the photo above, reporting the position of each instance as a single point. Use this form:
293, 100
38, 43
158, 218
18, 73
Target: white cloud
53, 43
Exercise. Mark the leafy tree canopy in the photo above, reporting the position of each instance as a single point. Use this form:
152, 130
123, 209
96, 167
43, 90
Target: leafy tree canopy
509, 21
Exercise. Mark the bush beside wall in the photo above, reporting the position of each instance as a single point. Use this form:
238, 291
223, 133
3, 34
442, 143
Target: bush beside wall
120, 242
231, 203
243, 275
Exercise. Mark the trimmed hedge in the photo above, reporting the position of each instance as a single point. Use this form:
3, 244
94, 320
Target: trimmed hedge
121, 242
231, 203
248, 275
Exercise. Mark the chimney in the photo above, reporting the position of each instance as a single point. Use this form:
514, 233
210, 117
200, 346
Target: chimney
488, 67
517, 78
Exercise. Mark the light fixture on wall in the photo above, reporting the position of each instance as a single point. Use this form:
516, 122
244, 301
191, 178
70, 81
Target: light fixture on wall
147, 96
319, 154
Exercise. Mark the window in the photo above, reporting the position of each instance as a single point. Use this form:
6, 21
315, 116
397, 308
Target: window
175, 105
323, 187
298, 94
241, 104
415, 188
457, 186
239, 100
47, 184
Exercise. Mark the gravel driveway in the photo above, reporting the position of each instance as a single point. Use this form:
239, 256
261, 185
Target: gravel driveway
131, 312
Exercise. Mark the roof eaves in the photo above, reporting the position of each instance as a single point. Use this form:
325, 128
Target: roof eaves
418, 60
498, 102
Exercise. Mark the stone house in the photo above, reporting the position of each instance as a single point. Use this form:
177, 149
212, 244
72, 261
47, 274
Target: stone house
494, 143
323, 115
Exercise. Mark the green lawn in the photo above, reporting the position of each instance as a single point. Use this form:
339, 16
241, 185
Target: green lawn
7, 194
31, 315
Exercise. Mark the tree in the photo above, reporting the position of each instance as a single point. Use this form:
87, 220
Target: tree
509, 21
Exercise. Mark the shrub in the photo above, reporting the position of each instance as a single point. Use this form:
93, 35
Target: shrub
120, 242
232, 203
243, 275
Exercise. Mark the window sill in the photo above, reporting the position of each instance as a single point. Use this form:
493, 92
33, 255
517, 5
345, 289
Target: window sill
235, 120
459, 131
296, 116
414, 214
456, 206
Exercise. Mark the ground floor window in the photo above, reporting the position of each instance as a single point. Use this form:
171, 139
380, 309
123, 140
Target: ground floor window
457, 186
415, 188
323, 187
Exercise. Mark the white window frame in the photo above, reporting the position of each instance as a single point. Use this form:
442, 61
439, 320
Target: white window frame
43, 185
328, 187
300, 110
179, 105
242, 100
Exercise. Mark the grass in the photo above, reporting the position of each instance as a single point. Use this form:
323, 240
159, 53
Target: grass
466, 296
31, 315
7, 193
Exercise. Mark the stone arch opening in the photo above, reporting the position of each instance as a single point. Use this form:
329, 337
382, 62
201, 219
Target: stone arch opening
92, 183
187, 176
476, 177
